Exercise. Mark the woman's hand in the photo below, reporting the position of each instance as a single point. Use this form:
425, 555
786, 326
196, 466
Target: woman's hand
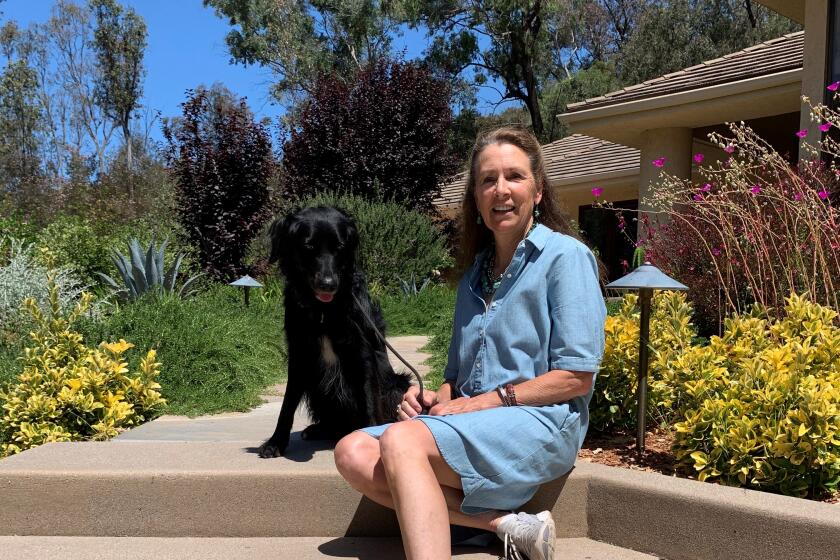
411, 405
465, 404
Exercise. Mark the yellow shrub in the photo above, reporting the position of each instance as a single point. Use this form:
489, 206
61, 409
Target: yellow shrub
761, 403
614, 400
69, 392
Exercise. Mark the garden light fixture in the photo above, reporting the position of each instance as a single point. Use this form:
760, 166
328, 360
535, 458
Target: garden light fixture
645, 278
246, 282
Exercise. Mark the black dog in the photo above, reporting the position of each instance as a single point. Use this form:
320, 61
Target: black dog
336, 360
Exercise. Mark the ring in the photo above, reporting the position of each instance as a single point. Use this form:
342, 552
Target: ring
399, 408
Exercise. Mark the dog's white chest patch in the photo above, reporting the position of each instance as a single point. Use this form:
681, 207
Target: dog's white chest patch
327, 353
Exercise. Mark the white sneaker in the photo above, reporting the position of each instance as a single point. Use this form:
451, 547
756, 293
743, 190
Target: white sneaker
525, 533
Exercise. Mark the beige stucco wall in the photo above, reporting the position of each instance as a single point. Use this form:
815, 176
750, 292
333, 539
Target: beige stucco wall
814, 69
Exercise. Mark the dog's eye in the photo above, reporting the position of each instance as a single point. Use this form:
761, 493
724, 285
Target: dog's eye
308, 246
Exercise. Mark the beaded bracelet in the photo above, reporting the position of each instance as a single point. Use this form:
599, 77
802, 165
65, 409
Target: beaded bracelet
511, 394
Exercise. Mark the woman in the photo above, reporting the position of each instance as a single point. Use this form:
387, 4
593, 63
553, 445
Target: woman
528, 337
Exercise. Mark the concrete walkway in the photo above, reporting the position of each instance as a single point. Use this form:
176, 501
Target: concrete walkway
255, 426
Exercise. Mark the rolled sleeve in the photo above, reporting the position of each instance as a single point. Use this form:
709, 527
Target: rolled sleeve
577, 312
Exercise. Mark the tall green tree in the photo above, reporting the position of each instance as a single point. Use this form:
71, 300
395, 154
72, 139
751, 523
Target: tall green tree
120, 39
20, 111
675, 34
300, 40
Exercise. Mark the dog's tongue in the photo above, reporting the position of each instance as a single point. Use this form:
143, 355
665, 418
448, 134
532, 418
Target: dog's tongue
324, 296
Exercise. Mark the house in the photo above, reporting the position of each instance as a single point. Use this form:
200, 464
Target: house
618, 135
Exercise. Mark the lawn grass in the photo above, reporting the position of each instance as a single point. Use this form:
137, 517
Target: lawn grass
217, 355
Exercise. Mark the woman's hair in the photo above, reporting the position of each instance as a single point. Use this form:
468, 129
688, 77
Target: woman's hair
474, 236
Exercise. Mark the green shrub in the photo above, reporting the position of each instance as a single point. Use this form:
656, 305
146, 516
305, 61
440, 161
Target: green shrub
762, 402
219, 355
22, 276
76, 243
418, 314
396, 243
69, 392
18, 228
613, 403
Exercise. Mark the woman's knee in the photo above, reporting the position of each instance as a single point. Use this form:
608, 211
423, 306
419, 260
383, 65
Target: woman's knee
402, 440
355, 455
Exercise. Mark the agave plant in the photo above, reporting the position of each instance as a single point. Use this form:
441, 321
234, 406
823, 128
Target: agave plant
143, 272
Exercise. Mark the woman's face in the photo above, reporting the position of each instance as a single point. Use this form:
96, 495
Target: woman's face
505, 190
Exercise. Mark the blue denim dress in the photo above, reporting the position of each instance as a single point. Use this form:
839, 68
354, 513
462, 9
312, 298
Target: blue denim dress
548, 313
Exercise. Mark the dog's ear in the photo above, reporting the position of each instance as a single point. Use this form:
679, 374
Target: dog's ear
278, 235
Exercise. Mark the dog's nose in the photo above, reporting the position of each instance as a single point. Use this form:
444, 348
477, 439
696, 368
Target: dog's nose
327, 283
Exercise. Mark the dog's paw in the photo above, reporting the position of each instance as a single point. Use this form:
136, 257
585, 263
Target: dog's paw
271, 449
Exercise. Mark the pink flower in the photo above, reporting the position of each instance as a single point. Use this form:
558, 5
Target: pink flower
823, 194
698, 158
755, 189
697, 197
715, 251
730, 149
825, 127
706, 188
797, 197
833, 87
659, 162
802, 133
596, 192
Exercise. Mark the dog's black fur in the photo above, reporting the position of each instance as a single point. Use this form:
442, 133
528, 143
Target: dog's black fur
336, 361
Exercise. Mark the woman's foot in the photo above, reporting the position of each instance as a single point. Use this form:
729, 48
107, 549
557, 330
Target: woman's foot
528, 534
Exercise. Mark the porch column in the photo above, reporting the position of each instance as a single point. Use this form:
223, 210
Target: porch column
814, 69
673, 144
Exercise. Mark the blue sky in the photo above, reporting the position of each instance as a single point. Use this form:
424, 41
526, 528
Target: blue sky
186, 48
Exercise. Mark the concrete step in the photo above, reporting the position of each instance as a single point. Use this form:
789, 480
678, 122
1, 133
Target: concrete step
301, 548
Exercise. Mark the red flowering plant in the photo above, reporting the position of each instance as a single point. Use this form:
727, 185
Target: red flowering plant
755, 230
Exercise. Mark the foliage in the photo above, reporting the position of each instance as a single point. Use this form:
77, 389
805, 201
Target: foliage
383, 135
301, 40
219, 354
20, 112
761, 403
691, 31
22, 276
120, 39
223, 161
144, 272
440, 336
395, 242
70, 392
613, 404
757, 229
76, 243
417, 314
16, 226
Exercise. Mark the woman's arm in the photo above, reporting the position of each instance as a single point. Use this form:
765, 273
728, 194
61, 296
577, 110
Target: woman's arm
552, 387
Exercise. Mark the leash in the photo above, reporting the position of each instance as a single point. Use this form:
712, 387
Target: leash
388, 344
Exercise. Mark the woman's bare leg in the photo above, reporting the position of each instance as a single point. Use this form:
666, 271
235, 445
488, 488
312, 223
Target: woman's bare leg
422, 501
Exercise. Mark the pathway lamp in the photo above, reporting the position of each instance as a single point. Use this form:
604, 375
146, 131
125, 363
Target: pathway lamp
645, 278
247, 283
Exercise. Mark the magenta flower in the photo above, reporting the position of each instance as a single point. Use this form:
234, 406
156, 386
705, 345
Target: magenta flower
596, 192
825, 127
755, 189
823, 194
715, 251
698, 158
833, 87
802, 133
797, 197
706, 188
730, 149
697, 197
659, 162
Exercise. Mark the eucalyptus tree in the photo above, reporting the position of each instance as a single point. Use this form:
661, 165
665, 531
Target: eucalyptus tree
120, 41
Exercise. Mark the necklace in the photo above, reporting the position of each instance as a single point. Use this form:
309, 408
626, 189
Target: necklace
490, 282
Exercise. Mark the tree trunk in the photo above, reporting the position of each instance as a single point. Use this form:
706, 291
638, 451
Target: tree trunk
128, 161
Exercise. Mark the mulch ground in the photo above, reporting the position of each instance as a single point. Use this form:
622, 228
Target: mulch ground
619, 450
